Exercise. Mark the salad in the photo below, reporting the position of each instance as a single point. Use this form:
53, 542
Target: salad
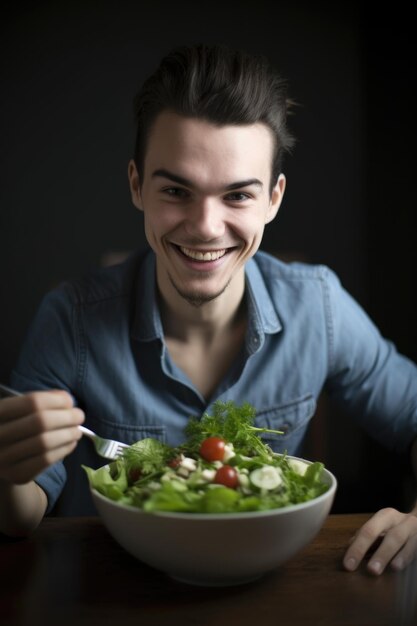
224, 466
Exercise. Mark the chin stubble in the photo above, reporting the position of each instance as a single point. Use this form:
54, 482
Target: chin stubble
197, 299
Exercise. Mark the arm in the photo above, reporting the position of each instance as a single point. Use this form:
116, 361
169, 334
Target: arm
378, 386
22, 507
399, 537
36, 431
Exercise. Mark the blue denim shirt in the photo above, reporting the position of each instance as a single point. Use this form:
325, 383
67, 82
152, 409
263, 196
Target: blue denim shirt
101, 339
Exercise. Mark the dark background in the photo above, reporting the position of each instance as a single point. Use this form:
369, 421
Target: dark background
68, 76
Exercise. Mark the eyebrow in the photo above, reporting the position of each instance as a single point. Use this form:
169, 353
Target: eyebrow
187, 183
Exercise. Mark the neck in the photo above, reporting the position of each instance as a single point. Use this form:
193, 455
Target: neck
182, 319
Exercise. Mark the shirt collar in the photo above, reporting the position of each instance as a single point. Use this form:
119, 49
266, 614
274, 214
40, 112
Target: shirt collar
147, 325
261, 310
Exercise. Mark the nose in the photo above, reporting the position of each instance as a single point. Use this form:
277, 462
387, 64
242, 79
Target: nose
205, 220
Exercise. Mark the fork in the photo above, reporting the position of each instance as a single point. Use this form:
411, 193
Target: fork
107, 448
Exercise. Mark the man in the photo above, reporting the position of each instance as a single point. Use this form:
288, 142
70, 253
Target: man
202, 316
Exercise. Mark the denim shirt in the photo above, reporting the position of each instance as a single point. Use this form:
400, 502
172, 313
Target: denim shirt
101, 339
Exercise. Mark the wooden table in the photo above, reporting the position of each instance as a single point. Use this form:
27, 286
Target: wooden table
71, 572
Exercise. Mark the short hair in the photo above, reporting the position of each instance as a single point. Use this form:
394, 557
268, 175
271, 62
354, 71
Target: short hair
220, 85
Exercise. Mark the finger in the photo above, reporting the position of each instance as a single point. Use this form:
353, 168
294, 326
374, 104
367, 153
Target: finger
393, 541
12, 408
409, 552
25, 471
39, 445
376, 526
396, 538
42, 421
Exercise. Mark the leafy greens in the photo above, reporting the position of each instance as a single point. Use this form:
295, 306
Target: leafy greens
156, 477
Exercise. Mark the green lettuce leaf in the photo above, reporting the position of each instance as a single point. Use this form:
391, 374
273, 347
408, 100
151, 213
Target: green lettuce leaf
109, 484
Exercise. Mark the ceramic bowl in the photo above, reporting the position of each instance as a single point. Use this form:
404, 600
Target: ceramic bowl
216, 549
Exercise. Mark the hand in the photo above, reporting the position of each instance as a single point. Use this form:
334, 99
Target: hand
397, 533
36, 430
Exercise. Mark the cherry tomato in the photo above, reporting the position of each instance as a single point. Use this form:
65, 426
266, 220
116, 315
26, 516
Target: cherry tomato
227, 475
174, 462
212, 449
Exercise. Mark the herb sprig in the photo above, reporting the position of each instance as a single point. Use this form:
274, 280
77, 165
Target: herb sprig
149, 454
233, 424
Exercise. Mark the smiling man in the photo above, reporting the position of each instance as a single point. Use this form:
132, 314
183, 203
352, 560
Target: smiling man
206, 195
203, 315
206, 199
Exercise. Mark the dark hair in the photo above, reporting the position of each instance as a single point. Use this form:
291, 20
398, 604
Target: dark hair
220, 85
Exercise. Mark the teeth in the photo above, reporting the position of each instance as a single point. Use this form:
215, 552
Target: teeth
213, 255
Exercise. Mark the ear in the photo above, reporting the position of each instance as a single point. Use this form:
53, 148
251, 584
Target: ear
134, 184
276, 198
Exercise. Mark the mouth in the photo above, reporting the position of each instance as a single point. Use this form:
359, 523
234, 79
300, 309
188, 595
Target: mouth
202, 256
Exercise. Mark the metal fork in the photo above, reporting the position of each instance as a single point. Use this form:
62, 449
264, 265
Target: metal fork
107, 448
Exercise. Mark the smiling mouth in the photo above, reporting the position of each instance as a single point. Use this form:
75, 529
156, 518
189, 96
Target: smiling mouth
202, 255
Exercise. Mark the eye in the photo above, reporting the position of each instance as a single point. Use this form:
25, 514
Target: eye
175, 192
237, 196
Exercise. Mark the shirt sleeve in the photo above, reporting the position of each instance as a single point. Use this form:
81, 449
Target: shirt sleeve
49, 359
367, 373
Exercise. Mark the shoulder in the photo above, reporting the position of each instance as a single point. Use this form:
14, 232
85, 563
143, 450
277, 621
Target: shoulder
293, 291
294, 273
102, 284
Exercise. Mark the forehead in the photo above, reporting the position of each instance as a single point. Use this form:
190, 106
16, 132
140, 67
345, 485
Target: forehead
198, 148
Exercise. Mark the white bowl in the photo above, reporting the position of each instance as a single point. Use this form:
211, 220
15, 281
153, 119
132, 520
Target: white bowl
216, 549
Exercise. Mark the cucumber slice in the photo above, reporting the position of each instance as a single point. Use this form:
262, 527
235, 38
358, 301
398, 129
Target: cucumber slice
298, 466
266, 477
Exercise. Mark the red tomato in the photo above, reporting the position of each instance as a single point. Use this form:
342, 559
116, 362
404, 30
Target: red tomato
212, 449
227, 476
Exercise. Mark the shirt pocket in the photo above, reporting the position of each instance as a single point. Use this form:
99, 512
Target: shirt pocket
291, 418
128, 433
